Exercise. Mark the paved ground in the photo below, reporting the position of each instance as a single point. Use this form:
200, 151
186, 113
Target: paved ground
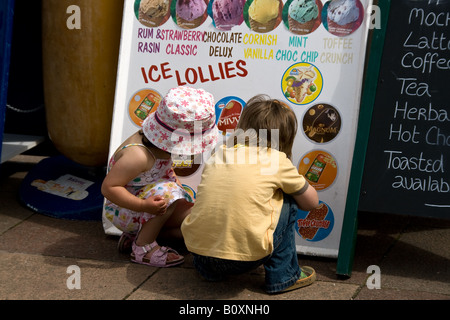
36, 253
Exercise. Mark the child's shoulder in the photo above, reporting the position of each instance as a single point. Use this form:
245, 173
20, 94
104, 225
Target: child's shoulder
134, 150
137, 151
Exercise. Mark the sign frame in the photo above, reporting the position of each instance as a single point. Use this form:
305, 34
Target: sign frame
350, 224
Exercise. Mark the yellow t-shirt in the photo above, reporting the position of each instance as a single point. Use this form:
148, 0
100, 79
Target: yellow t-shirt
238, 203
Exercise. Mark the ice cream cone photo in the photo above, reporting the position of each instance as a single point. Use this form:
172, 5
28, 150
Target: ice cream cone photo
149, 21
226, 14
300, 28
262, 27
340, 30
342, 17
153, 13
302, 16
189, 14
189, 24
263, 16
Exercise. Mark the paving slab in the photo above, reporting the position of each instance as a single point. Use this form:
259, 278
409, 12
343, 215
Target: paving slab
64, 238
398, 294
37, 277
11, 213
186, 284
420, 260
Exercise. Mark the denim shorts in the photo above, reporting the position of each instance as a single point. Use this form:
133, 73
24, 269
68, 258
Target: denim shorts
215, 269
281, 267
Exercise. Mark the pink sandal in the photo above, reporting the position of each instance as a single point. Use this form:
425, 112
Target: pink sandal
158, 257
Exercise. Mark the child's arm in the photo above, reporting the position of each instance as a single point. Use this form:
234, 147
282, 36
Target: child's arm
307, 200
131, 163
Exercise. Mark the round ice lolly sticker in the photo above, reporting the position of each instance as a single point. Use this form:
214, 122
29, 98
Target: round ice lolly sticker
142, 103
319, 168
321, 123
302, 83
315, 225
228, 113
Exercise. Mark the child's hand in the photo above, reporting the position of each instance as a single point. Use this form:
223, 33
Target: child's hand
156, 205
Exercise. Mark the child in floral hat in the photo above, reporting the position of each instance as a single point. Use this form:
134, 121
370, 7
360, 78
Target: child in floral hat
143, 194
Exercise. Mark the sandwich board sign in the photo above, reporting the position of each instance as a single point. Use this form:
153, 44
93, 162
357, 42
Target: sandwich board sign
408, 151
312, 59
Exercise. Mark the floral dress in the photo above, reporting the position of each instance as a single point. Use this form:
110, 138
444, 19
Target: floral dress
159, 180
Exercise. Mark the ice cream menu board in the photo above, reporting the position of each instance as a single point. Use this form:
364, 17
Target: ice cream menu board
407, 168
307, 53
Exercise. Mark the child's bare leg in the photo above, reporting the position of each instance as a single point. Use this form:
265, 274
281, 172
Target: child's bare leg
171, 228
151, 229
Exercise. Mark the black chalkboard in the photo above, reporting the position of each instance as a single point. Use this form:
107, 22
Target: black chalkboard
407, 164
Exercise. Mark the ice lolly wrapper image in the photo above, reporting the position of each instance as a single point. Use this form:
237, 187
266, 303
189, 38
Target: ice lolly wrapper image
146, 106
190, 13
152, 12
316, 169
342, 16
302, 82
313, 222
302, 15
228, 13
230, 116
263, 14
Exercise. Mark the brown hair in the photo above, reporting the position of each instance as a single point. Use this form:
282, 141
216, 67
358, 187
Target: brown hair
262, 112
145, 141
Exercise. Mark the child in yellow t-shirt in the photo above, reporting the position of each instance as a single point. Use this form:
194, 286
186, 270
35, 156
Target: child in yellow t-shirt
248, 199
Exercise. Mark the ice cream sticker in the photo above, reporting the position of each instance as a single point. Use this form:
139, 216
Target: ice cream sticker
228, 113
152, 13
342, 17
141, 104
263, 16
321, 123
302, 16
189, 14
319, 168
302, 83
315, 225
226, 14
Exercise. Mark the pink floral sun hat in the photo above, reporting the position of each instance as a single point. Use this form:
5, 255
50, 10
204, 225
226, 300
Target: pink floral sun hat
184, 122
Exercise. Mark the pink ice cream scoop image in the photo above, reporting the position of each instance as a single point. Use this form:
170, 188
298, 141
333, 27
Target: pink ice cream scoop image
228, 13
190, 9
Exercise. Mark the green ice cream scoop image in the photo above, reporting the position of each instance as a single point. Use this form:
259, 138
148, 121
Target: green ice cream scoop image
303, 11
